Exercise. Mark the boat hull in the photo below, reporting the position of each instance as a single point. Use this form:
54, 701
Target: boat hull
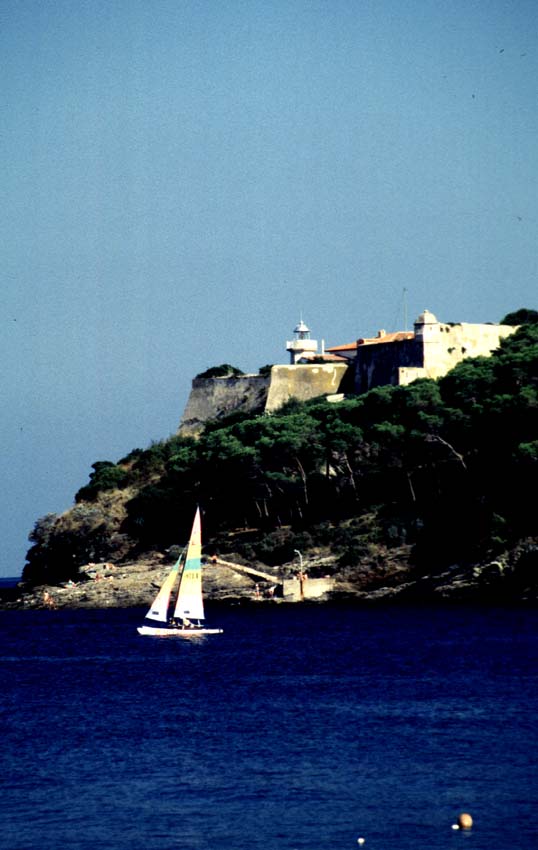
162, 631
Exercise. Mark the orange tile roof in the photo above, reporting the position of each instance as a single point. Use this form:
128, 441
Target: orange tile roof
348, 347
398, 336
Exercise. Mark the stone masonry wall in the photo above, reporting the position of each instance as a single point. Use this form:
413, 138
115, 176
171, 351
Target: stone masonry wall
445, 346
304, 382
213, 398
454, 342
379, 364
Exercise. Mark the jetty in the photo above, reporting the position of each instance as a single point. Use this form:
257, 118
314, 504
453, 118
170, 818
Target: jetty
257, 575
294, 589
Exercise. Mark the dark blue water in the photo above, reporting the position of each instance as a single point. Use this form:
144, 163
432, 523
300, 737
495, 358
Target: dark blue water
297, 728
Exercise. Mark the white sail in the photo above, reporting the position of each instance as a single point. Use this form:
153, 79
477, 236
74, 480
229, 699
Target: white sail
189, 603
159, 609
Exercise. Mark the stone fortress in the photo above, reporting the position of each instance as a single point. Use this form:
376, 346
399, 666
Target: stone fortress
430, 350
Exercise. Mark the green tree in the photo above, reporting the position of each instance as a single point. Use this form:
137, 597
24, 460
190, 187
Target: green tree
523, 316
105, 476
222, 371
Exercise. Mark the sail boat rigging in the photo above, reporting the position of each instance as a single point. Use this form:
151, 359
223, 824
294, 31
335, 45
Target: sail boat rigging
189, 606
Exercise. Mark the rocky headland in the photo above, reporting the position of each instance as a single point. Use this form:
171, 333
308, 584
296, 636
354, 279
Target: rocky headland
418, 492
391, 579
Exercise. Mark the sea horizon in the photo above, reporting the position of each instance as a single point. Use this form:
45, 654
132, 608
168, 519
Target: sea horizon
10, 581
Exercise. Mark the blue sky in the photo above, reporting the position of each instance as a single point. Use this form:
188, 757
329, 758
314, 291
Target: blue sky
183, 180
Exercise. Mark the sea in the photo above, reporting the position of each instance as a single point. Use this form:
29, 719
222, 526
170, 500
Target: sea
301, 727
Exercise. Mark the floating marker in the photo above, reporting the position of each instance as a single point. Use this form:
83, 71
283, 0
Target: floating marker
361, 840
465, 821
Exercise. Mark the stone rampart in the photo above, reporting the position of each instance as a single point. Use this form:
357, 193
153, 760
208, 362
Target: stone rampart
378, 365
429, 355
433, 351
454, 342
214, 398
303, 382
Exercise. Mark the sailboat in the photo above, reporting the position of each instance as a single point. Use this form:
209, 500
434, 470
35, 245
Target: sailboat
189, 606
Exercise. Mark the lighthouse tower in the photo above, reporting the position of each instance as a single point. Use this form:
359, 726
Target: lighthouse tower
302, 345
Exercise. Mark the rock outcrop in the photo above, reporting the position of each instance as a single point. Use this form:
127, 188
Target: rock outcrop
135, 584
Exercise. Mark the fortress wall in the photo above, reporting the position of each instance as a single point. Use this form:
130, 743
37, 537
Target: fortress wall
408, 374
456, 341
213, 398
303, 382
431, 356
379, 364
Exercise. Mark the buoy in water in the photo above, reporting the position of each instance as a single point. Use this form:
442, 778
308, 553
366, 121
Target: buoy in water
361, 840
465, 821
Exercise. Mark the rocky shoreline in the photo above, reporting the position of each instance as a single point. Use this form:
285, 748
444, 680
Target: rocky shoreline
134, 584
